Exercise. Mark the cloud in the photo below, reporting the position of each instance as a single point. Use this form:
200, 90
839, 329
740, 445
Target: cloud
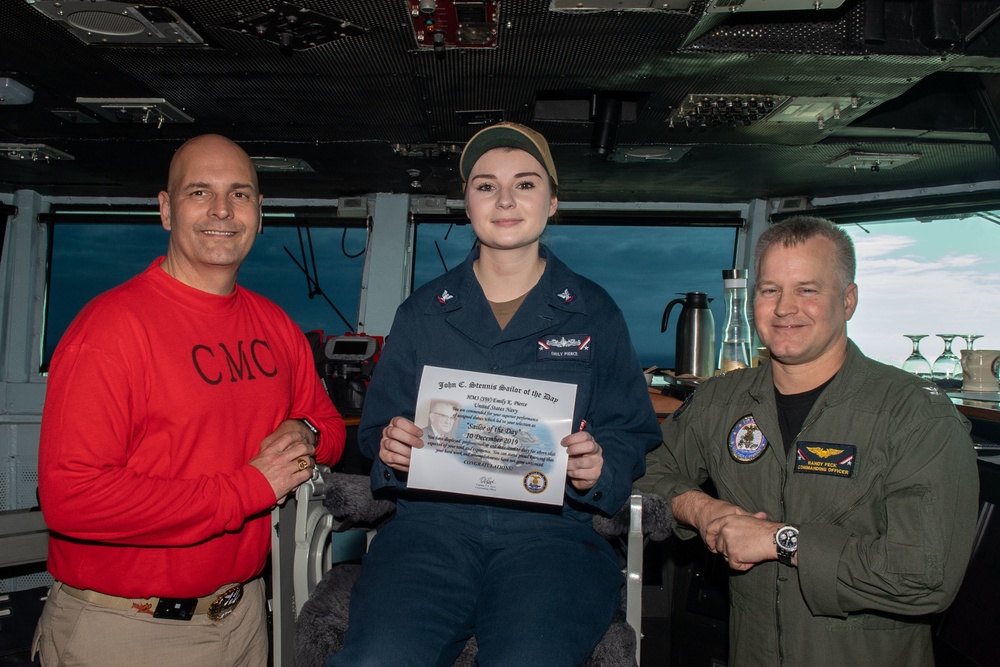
872, 246
914, 284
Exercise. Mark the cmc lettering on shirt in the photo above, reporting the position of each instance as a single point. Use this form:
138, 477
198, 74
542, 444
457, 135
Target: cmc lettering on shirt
214, 365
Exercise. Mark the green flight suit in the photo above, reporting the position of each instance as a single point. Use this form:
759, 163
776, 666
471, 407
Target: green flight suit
880, 548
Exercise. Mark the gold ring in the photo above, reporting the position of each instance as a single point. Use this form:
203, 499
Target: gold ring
303, 464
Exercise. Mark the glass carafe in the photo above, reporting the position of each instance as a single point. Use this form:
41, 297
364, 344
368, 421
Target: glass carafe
736, 336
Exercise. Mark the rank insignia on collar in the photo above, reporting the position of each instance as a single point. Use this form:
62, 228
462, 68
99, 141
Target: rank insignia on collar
683, 407
746, 442
444, 297
566, 295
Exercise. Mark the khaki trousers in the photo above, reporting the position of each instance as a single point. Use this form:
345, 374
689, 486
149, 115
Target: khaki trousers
74, 633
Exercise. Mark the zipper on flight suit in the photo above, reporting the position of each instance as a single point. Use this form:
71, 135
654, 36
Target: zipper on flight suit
777, 572
792, 449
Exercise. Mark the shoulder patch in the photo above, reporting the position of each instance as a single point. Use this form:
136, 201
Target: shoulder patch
683, 406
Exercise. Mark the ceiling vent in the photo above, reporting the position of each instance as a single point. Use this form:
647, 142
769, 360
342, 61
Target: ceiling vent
142, 111
98, 22
32, 153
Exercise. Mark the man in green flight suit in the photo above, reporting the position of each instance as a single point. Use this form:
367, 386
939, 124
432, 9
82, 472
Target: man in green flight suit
847, 489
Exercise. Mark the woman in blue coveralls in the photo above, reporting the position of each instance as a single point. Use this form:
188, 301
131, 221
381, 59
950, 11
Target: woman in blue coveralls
534, 583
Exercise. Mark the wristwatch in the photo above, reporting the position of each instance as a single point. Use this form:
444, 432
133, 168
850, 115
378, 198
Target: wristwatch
787, 540
312, 427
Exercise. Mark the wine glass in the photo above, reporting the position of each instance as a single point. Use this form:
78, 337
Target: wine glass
947, 369
917, 363
970, 339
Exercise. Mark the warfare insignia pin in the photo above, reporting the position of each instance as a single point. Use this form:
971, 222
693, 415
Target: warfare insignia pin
575, 347
746, 442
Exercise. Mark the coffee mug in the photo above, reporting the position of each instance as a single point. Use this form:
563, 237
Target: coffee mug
979, 370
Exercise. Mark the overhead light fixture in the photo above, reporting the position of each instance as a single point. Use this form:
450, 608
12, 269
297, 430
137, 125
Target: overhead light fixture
617, 5
105, 22
718, 6
818, 110
32, 153
280, 164
868, 161
634, 154
74, 116
138, 110
479, 117
13, 92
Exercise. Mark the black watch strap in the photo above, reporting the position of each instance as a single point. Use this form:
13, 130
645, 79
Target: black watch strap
312, 427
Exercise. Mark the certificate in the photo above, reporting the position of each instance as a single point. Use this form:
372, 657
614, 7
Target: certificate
492, 435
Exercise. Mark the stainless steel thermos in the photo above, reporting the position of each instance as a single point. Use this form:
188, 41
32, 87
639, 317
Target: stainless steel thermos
695, 350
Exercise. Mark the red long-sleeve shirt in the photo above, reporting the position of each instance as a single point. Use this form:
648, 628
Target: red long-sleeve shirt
158, 397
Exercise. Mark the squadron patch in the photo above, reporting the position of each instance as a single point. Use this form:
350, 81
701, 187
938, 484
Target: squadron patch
824, 458
535, 481
746, 442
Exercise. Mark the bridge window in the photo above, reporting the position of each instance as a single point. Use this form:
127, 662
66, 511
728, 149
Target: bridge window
87, 259
643, 263
941, 276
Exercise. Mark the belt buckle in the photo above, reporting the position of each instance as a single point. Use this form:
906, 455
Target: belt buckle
224, 605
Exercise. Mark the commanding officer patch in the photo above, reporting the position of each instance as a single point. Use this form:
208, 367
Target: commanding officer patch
746, 442
824, 458
535, 481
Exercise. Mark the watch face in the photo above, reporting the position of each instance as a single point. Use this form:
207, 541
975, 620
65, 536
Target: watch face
787, 538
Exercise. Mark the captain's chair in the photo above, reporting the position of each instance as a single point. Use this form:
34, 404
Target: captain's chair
337, 516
